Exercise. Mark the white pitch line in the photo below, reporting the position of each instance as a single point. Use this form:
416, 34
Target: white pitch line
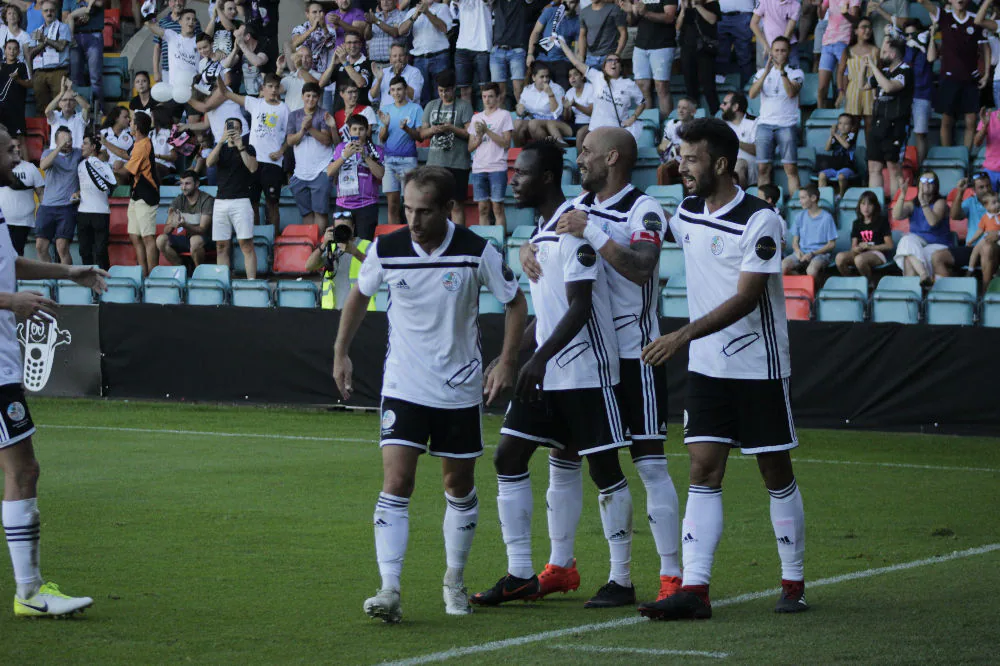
358, 440
493, 646
625, 650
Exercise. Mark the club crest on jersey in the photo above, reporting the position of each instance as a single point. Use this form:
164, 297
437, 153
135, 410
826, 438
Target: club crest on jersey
766, 248
40, 337
586, 255
652, 222
388, 420
16, 412
451, 281
543, 251
718, 245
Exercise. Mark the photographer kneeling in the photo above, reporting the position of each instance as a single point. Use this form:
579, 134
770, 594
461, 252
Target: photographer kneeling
339, 256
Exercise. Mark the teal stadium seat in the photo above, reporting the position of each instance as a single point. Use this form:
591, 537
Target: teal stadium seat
382, 298
209, 285
251, 294
297, 294
165, 285
673, 298
124, 285
488, 303
952, 301
897, 299
991, 304
842, 299
493, 233
671, 261
44, 287
263, 245
70, 293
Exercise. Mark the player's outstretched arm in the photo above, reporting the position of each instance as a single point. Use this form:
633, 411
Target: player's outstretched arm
87, 276
749, 290
350, 320
501, 374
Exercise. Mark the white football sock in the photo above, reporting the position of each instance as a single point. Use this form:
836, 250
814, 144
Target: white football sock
514, 504
661, 511
564, 503
460, 519
23, 529
789, 520
392, 532
702, 533
616, 517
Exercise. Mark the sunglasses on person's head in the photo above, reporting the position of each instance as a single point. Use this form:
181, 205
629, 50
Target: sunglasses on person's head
342, 214
980, 174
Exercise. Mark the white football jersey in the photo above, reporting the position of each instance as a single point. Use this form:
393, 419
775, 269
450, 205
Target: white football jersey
745, 235
10, 352
434, 357
630, 216
590, 360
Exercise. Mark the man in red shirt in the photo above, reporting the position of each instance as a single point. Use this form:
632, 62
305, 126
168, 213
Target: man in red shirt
350, 94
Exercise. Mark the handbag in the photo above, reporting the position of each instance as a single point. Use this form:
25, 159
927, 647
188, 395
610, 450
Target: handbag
703, 44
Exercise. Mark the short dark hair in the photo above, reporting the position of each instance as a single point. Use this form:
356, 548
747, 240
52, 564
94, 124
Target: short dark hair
550, 157
436, 178
189, 173
445, 79
202, 37
538, 66
142, 72
187, 10
312, 87
357, 119
718, 136
491, 86
63, 128
782, 38
770, 191
897, 45
347, 85
811, 190
398, 44
272, 78
143, 123
12, 40
396, 80
740, 100
88, 136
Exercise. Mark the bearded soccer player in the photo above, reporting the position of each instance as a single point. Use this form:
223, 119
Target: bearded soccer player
432, 388
737, 388
34, 597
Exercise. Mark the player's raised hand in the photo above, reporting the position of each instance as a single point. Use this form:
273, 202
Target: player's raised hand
529, 262
29, 304
531, 379
573, 222
89, 276
343, 375
499, 377
659, 350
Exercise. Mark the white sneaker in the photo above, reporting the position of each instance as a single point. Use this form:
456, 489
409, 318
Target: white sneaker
50, 602
456, 600
384, 606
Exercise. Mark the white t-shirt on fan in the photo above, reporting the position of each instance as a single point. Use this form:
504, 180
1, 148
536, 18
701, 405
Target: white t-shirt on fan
268, 123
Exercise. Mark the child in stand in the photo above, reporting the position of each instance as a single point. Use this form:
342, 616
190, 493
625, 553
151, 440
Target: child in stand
814, 236
839, 165
988, 231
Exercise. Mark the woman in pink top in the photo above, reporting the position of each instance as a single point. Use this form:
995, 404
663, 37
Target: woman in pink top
988, 131
839, 16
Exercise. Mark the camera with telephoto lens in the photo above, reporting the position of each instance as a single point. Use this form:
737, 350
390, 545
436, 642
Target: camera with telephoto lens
342, 233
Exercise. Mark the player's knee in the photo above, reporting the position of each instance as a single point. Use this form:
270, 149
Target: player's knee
776, 469
706, 473
605, 469
508, 459
25, 475
398, 482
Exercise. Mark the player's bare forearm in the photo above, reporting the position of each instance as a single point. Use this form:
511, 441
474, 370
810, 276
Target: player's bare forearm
514, 330
528, 339
29, 269
636, 262
580, 298
749, 290
350, 320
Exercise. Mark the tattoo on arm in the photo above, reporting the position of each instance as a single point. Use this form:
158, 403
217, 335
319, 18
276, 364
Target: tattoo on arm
636, 262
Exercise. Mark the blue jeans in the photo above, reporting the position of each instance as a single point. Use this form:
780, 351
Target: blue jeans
430, 67
735, 33
507, 64
595, 61
88, 53
771, 138
471, 67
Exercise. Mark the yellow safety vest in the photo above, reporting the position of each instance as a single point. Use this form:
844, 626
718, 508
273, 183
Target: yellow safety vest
329, 292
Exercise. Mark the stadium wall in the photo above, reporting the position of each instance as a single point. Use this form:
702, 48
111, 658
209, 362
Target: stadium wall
859, 376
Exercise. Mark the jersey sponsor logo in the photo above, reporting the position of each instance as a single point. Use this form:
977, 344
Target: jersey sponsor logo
718, 245
40, 337
388, 420
16, 412
766, 248
652, 222
586, 255
451, 281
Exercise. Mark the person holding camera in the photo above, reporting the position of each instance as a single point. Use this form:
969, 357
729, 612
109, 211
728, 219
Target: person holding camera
339, 256
358, 167
232, 210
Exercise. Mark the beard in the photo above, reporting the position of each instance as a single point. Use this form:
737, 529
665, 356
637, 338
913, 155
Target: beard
729, 116
704, 186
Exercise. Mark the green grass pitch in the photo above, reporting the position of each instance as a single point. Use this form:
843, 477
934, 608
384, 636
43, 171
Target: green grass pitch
222, 535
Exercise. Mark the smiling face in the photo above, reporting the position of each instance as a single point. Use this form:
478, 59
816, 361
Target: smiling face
310, 101
698, 174
353, 45
613, 66
11, 50
528, 184
592, 164
305, 55
992, 203
205, 48
314, 13
397, 58
398, 92
343, 5
187, 23
685, 110
229, 9
844, 125
864, 31
387, 5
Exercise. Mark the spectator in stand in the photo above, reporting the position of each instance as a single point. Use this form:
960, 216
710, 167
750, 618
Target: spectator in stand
384, 24
697, 35
472, 49
839, 164
778, 85
379, 93
31, 14
871, 239
988, 132
349, 65
988, 232
341, 264
655, 46
578, 103
143, 100
11, 29
349, 106
773, 18
430, 23
734, 112
512, 25
86, 20
311, 141
262, 23
444, 123
300, 72
216, 109
929, 229
313, 35
223, 28
840, 16
163, 152
233, 210
853, 73
921, 52
253, 58
145, 193
667, 173
14, 74
603, 31
268, 127
986, 19
399, 130
886, 16
345, 20
18, 203
893, 80
771, 195
357, 166
736, 33
189, 224
56, 219
489, 140
173, 22
614, 96
814, 235
962, 45
62, 112
93, 216
49, 53
543, 46
973, 209
541, 110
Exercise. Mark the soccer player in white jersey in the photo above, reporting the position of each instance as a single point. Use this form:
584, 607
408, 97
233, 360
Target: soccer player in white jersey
34, 597
432, 388
565, 395
737, 392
